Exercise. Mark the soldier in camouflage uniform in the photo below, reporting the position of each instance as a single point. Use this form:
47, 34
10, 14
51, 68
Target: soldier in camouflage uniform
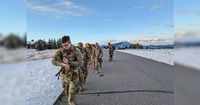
87, 59
98, 54
84, 70
92, 56
110, 50
70, 59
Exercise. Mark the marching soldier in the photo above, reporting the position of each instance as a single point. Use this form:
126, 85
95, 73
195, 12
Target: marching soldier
70, 59
84, 70
98, 54
110, 50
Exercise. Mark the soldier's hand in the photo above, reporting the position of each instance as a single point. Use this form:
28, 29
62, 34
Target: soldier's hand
88, 66
65, 60
66, 66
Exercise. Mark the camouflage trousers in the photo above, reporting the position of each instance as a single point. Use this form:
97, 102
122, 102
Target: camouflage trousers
83, 73
71, 87
81, 78
93, 63
110, 56
97, 65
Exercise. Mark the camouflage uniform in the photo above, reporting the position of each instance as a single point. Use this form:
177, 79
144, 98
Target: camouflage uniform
110, 50
98, 54
86, 59
92, 57
83, 70
69, 78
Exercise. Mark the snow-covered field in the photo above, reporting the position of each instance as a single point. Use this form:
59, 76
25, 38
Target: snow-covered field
12, 84
189, 56
22, 54
42, 85
29, 78
161, 55
29, 83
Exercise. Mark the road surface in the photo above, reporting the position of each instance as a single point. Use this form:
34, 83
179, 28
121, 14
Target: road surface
128, 80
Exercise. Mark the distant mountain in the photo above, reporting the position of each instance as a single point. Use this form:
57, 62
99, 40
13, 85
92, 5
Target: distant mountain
170, 46
187, 44
119, 45
126, 44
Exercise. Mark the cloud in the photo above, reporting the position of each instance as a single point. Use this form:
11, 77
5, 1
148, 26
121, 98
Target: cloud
151, 6
187, 34
187, 12
144, 39
139, 7
155, 7
182, 11
59, 8
164, 25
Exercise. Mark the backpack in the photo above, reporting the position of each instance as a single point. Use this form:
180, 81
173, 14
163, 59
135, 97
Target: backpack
114, 48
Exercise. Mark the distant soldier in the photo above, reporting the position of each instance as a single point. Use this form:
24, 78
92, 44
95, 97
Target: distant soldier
70, 59
98, 54
111, 51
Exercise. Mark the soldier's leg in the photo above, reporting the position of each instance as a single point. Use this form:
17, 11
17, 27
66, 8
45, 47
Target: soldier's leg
65, 84
109, 57
96, 65
81, 79
71, 93
85, 75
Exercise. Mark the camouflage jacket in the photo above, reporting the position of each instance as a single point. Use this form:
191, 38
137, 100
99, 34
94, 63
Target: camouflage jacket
73, 55
110, 49
98, 53
86, 56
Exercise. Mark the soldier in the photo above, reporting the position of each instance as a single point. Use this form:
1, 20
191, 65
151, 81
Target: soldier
70, 59
84, 70
98, 54
110, 50
92, 56
88, 58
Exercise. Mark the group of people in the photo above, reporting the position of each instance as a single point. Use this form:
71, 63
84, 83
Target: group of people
75, 61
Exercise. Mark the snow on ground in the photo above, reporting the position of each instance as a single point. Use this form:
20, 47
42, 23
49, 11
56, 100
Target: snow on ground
43, 87
161, 55
188, 56
22, 54
32, 54
12, 84
29, 83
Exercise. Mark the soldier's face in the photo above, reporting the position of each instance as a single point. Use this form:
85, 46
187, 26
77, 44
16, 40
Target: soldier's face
66, 45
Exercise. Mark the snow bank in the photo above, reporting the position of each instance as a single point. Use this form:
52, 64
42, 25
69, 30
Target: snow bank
43, 86
22, 54
189, 56
161, 55
29, 83
12, 84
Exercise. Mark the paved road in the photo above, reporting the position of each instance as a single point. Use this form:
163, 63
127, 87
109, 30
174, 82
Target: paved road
187, 85
128, 80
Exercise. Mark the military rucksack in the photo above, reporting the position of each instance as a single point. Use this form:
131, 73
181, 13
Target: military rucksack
114, 48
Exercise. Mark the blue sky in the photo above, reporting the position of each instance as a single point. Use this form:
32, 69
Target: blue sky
100, 20
90, 20
13, 16
186, 20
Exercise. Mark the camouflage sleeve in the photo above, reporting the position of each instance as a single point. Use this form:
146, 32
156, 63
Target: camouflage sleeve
79, 59
57, 58
88, 55
84, 54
